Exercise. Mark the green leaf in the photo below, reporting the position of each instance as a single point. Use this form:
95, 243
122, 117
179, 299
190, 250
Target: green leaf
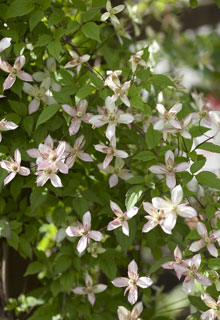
96, 80
20, 8
91, 31
66, 280
198, 303
38, 197
62, 264
198, 131
55, 17
133, 195
137, 103
43, 40
109, 269
198, 164
35, 18
208, 179
209, 147
54, 48
79, 4
98, 3
152, 137
83, 92
162, 80
157, 265
214, 264
25, 248
16, 187
18, 107
193, 3
217, 2
33, 267
72, 27
5, 230
136, 180
28, 124
47, 113
145, 156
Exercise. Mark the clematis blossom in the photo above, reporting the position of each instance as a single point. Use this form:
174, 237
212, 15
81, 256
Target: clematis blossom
132, 282
84, 231
5, 43
121, 92
76, 152
122, 218
90, 289
6, 125
78, 115
14, 167
214, 311
112, 79
136, 60
215, 120
111, 12
178, 261
207, 240
174, 207
167, 118
77, 60
14, 72
169, 169
110, 152
48, 174
125, 314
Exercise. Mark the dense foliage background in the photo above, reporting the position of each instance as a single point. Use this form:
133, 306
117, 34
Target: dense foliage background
81, 82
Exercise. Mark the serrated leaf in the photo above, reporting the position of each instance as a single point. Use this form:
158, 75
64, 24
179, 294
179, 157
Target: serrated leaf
209, 179
35, 18
91, 31
145, 156
54, 48
47, 113
20, 8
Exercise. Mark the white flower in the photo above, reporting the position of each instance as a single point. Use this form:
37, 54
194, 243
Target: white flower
111, 12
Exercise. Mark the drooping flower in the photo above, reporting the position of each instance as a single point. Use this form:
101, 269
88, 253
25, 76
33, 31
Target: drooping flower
14, 167
77, 152
169, 169
5, 43
84, 231
121, 92
132, 282
125, 314
14, 72
122, 218
174, 207
111, 12
116, 172
112, 79
137, 60
110, 152
214, 311
207, 240
167, 118
77, 60
78, 115
6, 125
112, 116
90, 289
39, 94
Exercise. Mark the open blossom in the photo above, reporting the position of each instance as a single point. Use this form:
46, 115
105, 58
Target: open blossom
77, 60
76, 152
84, 231
112, 116
78, 115
5, 43
90, 289
41, 153
173, 207
191, 274
136, 60
169, 169
14, 72
6, 125
155, 217
116, 172
214, 311
121, 92
178, 261
201, 116
215, 120
184, 131
112, 79
14, 167
167, 118
207, 240
111, 12
125, 314
39, 94
122, 218
132, 282
48, 174
111, 152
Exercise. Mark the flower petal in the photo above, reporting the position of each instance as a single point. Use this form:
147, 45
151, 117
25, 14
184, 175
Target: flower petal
82, 244
87, 220
96, 235
120, 282
144, 282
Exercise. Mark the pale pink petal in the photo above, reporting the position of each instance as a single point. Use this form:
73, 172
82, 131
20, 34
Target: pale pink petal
201, 229
188, 285
175, 123
203, 280
17, 156
82, 106
115, 208
33, 105
169, 157
84, 156
55, 180
125, 118
87, 220
132, 212
24, 171
171, 180
5, 66
113, 180
209, 301
10, 177
68, 109
85, 58
123, 313
19, 62
209, 315
196, 261
149, 226
124, 174
5, 43
120, 154
149, 208
133, 295
79, 290
24, 76
91, 298
177, 194
125, 228
170, 221
120, 282
133, 267
10, 126
107, 160
144, 282
82, 244
113, 225
160, 203
212, 250
9, 81
138, 308
62, 167
158, 169
187, 212
73, 231
95, 235
183, 166
99, 288
88, 280
176, 108
101, 148
110, 131
197, 245
159, 125
160, 108
74, 127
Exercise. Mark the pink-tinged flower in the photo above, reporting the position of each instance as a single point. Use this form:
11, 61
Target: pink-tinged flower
77, 152
203, 114
6, 125
14, 72
14, 166
207, 240
174, 207
111, 12
136, 60
39, 94
90, 289
78, 115
184, 131
77, 60
167, 118
191, 274
125, 314
112, 116
155, 217
111, 152
48, 174
214, 311
132, 282
41, 153
112, 79
122, 218
84, 231
121, 92
178, 261
169, 169
215, 121
116, 172
5, 43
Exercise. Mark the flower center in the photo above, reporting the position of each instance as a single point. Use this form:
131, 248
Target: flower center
79, 114
47, 171
14, 167
14, 70
132, 282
